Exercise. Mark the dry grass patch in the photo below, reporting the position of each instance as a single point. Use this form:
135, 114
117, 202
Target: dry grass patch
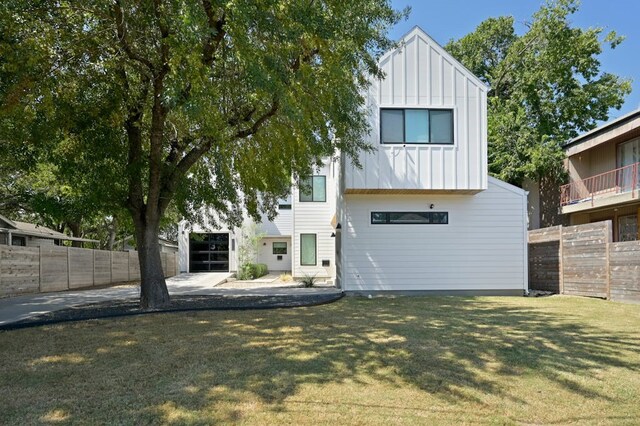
385, 360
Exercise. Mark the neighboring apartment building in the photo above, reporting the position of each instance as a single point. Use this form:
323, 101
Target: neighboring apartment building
604, 172
421, 214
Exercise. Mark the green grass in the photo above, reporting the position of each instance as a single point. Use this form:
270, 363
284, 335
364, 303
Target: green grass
437, 360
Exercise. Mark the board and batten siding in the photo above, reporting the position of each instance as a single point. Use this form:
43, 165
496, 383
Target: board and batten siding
421, 74
315, 218
483, 248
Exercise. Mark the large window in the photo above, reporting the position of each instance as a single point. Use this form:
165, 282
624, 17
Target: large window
628, 228
416, 126
308, 250
279, 247
313, 188
409, 218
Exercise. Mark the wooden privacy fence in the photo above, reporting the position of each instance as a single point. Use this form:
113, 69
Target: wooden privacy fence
581, 260
54, 268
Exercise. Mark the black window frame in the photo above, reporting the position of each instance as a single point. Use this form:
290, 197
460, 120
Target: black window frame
312, 177
19, 240
315, 254
404, 130
388, 221
273, 248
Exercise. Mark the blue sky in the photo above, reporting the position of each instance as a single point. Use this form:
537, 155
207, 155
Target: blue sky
448, 19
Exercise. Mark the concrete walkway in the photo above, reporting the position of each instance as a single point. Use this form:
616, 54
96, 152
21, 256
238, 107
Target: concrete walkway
14, 309
17, 308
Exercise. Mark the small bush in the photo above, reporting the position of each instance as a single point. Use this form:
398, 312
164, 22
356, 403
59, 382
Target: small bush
285, 278
245, 272
251, 271
308, 280
260, 270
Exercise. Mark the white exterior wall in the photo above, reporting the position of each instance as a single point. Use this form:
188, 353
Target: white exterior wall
282, 224
315, 218
266, 256
420, 74
483, 248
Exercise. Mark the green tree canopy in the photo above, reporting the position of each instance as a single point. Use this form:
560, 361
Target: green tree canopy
202, 103
546, 87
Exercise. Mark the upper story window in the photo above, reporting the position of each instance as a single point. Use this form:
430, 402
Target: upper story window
416, 126
313, 188
284, 203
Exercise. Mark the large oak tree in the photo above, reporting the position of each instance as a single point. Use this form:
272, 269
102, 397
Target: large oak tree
198, 103
547, 86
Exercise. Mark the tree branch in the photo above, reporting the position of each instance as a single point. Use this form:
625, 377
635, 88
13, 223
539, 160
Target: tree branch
260, 121
121, 30
216, 26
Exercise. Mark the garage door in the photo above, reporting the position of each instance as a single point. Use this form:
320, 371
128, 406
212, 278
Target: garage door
209, 252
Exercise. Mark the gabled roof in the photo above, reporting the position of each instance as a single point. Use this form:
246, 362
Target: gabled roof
40, 230
416, 31
33, 230
8, 221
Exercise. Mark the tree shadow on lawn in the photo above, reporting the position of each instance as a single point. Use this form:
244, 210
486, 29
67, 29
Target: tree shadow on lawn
456, 349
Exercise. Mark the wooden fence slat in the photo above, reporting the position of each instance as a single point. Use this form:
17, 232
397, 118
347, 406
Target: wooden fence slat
55, 268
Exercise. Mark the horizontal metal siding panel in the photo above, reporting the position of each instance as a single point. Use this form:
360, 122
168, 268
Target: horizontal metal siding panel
482, 248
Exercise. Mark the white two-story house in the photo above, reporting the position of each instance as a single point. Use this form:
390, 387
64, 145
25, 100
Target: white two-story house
300, 240
421, 214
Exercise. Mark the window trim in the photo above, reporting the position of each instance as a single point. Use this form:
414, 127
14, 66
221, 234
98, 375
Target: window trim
312, 177
388, 218
404, 130
315, 254
273, 249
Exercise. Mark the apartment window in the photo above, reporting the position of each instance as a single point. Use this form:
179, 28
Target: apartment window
416, 126
409, 218
313, 188
308, 253
628, 228
279, 247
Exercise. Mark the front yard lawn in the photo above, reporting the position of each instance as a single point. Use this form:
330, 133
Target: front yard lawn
385, 360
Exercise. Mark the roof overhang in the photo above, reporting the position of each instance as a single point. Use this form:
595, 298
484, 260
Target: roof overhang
46, 236
622, 128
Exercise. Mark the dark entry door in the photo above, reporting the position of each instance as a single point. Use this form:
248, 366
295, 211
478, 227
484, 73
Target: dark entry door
209, 252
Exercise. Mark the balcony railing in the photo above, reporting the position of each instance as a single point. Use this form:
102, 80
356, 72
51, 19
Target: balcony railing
618, 181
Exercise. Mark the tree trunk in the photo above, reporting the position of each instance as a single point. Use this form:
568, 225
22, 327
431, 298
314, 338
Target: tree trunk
112, 234
76, 232
550, 212
153, 287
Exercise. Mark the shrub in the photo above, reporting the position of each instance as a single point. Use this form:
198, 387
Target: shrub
245, 272
285, 278
308, 280
260, 270
251, 271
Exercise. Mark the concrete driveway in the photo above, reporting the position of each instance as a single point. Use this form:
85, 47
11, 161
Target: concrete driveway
20, 307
